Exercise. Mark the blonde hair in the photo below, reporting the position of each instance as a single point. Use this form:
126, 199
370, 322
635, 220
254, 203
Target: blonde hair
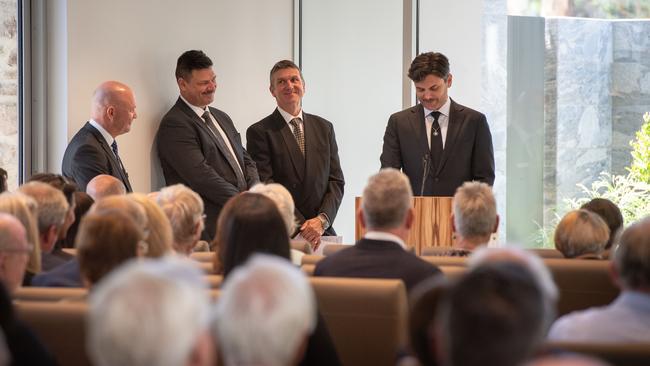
160, 231
184, 209
25, 209
581, 232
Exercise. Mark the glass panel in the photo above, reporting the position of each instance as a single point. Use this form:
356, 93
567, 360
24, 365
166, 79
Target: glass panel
9, 136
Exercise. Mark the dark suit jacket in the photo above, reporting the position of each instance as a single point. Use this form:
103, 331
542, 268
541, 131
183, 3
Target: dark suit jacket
189, 154
65, 275
315, 180
88, 155
467, 155
376, 259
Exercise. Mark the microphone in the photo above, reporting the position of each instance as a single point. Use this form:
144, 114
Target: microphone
425, 171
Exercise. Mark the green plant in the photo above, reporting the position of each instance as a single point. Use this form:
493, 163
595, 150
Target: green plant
640, 167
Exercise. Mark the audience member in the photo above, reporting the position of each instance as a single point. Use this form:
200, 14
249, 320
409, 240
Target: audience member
494, 315
424, 301
284, 202
265, 313
581, 234
474, 217
105, 185
68, 274
184, 209
51, 216
3, 180
57, 256
532, 263
160, 238
387, 215
610, 213
25, 348
626, 319
250, 223
105, 241
151, 312
25, 210
14, 252
83, 202
566, 360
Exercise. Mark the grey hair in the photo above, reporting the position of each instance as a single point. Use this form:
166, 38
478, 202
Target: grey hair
266, 310
475, 210
184, 208
148, 312
386, 199
52, 205
282, 199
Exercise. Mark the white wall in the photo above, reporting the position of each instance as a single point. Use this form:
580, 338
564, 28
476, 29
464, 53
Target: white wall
454, 28
138, 42
352, 63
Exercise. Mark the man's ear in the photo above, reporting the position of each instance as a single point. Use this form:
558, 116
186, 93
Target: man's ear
496, 225
360, 218
449, 80
410, 218
453, 224
615, 275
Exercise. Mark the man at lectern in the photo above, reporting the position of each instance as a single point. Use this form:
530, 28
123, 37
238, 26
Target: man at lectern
438, 144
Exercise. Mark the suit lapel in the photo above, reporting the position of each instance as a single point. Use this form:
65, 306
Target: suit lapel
297, 159
416, 121
238, 154
109, 152
456, 120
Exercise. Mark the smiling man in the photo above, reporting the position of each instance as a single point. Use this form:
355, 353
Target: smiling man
439, 144
93, 150
198, 145
299, 151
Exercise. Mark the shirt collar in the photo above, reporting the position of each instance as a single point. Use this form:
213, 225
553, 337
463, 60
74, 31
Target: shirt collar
444, 110
198, 110
380, 235
288, 117
635, 299
107, 136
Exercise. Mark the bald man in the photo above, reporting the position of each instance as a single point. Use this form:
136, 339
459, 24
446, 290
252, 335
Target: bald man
105, 185
93, 150
14, 252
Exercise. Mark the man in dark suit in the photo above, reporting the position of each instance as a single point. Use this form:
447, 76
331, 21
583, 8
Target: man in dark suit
198, 145
438, 143
387, 215
299, 151
93, 150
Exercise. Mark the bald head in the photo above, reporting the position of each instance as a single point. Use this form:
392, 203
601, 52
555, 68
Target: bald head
103, 186
13, 251
113, 107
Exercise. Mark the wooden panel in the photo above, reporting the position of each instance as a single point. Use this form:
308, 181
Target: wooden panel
432, 226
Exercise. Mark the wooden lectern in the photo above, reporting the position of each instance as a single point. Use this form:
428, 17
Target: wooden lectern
432, 226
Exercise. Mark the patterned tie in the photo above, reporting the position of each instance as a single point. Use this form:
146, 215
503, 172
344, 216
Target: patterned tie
298, 134
436, 140
241, 181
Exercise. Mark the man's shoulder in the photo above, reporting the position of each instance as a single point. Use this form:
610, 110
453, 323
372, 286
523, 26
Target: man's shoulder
467, 111
265, 123
312, 118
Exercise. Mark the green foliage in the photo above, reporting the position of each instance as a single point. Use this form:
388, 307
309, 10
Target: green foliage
640, 167
631, 192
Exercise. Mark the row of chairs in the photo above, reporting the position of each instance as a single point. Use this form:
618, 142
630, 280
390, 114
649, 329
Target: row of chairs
367, 318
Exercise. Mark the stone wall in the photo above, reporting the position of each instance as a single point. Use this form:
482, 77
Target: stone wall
9, 90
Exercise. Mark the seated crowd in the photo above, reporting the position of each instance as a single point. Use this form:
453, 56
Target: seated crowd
150, 302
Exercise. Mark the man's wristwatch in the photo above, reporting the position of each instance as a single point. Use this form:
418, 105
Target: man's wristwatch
324, 221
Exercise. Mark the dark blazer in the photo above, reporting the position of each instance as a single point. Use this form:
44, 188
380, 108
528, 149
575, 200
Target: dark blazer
65, 275
189, 154
376, 259
315, 180
88, 155
467, 156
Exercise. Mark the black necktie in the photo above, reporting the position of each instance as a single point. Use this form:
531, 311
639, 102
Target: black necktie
241, 181
117, 156
436, 140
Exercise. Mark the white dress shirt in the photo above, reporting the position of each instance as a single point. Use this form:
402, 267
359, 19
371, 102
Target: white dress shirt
288, 117
107, 136
443, 121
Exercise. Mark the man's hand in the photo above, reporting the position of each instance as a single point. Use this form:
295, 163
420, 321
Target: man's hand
312, 230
